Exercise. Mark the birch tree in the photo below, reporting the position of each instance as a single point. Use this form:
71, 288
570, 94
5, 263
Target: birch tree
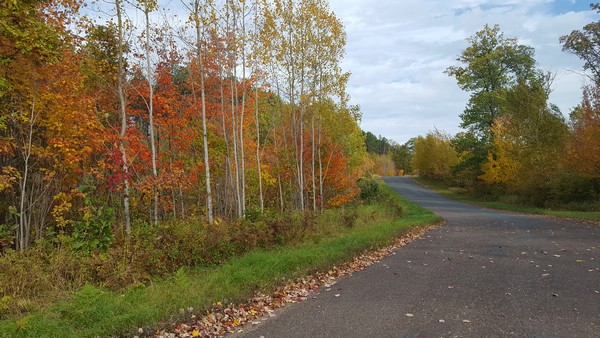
147, 7
200, 21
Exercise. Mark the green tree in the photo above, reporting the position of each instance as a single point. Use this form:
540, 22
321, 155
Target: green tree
402, 156
491, 65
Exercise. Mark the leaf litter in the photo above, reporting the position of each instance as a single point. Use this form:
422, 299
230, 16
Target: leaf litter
221, 320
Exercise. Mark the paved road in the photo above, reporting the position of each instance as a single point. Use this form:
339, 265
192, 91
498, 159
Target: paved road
484, 273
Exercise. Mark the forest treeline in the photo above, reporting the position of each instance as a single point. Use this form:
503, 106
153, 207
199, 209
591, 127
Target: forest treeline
517, 147
237, 109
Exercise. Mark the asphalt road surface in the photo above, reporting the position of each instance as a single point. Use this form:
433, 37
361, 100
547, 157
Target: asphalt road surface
485, 273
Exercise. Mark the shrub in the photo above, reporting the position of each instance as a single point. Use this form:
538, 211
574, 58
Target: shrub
369, 190
52, 270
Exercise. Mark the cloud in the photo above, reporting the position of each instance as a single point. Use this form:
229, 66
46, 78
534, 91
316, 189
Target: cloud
397, 52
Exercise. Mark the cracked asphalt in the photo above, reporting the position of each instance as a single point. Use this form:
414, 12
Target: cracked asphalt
484, 273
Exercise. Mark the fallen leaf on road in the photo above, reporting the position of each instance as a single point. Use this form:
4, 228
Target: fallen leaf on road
579, 261
224, 319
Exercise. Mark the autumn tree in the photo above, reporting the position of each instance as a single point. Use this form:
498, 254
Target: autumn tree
49, 131
434, 156
147, 7
303, 43
528, 141
584, 142
201, 17
253, 115
583, 146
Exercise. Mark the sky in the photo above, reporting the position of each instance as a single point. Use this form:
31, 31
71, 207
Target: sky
397, 51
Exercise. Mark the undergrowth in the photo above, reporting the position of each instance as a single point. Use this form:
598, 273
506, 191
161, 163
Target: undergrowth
39, 278
157, 273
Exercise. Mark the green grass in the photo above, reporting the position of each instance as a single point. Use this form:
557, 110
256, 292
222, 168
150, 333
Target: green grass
94, 312
447, 191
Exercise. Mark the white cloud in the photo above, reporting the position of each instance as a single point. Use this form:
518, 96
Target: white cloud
397, 52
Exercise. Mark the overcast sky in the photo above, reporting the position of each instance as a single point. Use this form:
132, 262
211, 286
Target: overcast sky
397, 51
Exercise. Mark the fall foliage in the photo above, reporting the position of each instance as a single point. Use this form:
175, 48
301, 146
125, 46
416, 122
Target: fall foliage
434, 156
242, 110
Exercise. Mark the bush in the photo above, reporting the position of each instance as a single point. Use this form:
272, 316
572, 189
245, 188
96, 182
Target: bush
369, 190
52, 270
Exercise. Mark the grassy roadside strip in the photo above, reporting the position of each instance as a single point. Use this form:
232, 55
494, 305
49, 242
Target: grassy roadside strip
95, 312
446, 191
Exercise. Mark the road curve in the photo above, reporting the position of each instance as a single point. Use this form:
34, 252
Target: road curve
485, 273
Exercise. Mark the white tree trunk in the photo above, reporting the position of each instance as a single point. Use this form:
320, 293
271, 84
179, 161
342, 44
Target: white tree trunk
151, 117
123, 113
199, 54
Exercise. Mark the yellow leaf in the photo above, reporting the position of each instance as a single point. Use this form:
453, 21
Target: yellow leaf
195, 333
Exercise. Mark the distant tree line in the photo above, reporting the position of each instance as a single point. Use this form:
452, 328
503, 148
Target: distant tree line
387, 156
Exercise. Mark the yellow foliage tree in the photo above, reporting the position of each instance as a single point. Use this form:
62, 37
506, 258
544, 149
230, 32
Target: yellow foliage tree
500, 166
434, 156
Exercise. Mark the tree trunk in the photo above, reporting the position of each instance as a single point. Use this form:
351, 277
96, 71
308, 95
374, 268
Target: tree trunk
25, 209
314, 188
260, 188
243, 111
151, 117
199, 55
123, 113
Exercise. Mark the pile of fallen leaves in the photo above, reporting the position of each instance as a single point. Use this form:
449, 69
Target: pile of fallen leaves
228, 319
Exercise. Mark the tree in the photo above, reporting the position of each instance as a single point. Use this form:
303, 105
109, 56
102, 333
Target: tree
434, 156
528, 143
200, 20
492, 64
583, 146
583, 151
122, 97
147, 7
29, 46
402, 156
586, 44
